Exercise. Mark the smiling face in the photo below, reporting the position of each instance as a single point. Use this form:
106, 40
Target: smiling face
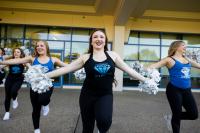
18, 53
177, 47
98, 40
41, 48
182, 48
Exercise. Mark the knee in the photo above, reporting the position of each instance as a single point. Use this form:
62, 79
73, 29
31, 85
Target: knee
104, 124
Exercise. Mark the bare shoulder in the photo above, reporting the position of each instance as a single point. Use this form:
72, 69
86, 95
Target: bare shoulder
113, 55
169, 62
84, 57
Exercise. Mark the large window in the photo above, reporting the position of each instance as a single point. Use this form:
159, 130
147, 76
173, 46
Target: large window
150, 47
66, 43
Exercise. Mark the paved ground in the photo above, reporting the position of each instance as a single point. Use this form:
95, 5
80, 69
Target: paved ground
134, 112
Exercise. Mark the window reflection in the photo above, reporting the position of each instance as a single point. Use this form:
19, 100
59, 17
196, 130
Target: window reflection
130, 52
13, 43
56, 45
149, 38
59, 34
149, 53
167, 38
79, 48
36, 33
80, 35
133, 38
14, 31
2, 32
164, 52
192, 40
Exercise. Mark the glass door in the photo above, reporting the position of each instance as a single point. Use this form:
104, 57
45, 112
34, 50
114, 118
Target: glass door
58, 82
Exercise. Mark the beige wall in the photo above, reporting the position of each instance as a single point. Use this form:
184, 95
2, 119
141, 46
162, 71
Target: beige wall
116, 34
106, 22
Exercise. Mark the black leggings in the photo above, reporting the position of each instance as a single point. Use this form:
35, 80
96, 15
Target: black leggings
37, 101
97, 108
12, 86
177, 98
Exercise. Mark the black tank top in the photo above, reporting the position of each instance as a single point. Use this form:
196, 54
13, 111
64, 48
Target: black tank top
99, 76
16, 70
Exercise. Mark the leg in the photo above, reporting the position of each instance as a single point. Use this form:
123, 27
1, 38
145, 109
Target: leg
87, 113
190, 106
44, 98
16, 86
174, 97
36, 109
103, 112
8, 87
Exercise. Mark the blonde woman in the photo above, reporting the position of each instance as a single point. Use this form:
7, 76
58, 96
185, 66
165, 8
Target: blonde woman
178, 90
40, 56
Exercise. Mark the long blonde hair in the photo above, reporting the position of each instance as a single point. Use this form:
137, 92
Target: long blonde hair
35, 53
173, 47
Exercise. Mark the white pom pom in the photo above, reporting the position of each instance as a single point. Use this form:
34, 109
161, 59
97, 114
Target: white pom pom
25, 50
36, 77
8, 51
193, 54
80, 74
149, 86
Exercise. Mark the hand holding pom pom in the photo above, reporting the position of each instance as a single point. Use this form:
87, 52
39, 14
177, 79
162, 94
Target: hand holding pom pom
36, 77
151, 85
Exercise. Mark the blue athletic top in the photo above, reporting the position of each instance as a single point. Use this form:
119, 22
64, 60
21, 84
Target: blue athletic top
180, 75
49, 65
1, 58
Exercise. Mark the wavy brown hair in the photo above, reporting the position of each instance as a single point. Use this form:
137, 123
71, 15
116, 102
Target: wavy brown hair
35, 53
90, 41
173, 47
22, 55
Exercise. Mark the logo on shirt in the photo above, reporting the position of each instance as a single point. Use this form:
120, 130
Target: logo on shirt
102, 68
186, 72
16, 70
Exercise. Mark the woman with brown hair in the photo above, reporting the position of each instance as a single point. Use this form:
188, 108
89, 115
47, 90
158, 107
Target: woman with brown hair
40, 56
96, 98
13, 83
178, 90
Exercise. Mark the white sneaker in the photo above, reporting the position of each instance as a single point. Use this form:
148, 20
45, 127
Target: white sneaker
6, 116
45, 110
37, 130
15, 104
168, 119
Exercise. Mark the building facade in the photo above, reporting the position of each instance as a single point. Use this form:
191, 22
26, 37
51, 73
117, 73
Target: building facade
137, 30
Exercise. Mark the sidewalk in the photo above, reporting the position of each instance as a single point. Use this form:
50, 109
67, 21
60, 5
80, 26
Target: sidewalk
134, 112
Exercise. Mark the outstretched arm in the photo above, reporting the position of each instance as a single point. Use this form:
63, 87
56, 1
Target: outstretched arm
124, 67
194, 63
164, 62
75, 65
24, 60
58, 62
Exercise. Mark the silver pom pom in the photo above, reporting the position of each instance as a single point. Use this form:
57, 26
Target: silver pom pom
25, 50
8, 51
38, 80
151, 85
193, 54
80, 74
